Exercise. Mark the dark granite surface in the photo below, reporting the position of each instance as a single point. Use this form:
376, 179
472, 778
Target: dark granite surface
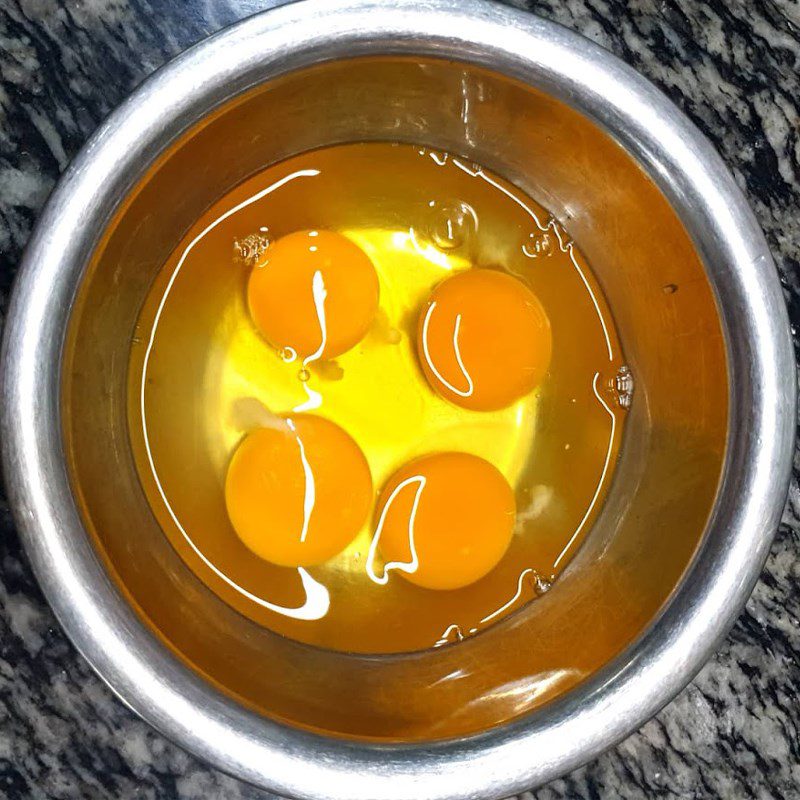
734, 67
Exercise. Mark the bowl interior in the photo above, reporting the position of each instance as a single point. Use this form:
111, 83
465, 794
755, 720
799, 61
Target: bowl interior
666, 480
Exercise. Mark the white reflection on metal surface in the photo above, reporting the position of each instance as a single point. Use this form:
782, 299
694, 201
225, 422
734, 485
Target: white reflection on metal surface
524, 691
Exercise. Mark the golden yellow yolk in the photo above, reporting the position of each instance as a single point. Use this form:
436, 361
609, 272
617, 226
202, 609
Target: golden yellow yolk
314, 292
463, 523
299, 491
484, 340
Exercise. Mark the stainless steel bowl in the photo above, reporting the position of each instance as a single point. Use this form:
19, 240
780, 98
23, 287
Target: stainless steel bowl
704, 469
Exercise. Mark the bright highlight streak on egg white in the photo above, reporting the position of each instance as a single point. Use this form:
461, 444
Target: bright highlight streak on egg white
319, 294
404, 566
425, 324
445, 637
317, 600
310, 493
513, 600
314, 400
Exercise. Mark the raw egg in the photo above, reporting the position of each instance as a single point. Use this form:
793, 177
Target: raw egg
313, 292
484, 340
445, 520
297, 492
283, 269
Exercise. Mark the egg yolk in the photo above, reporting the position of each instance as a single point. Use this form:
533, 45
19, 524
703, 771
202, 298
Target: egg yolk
298, 492
315, 292
452, 513
484, 340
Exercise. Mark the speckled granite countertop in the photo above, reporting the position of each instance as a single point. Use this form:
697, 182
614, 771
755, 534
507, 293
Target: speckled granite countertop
734, 67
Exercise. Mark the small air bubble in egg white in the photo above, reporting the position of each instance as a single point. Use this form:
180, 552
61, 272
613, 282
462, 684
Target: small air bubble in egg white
452, 224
